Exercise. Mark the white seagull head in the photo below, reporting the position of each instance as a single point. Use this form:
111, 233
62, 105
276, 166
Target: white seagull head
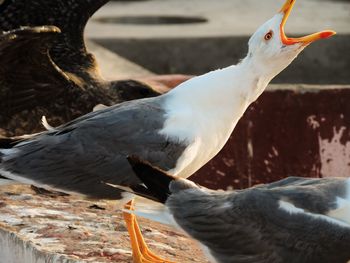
270, 48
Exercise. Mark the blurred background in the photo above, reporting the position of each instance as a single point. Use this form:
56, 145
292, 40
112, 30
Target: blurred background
196, 36
299, 126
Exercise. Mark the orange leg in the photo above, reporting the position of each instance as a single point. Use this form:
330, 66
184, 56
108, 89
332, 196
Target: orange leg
140, 251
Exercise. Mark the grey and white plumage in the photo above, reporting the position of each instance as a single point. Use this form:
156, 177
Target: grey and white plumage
83, 154
179, 131
45, 68
294, 220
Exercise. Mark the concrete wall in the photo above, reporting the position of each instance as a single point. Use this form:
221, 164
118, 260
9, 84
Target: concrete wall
292, 130
16, 250
200, 55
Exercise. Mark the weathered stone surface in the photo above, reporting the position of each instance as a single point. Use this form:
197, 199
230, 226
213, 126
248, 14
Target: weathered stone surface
66, 229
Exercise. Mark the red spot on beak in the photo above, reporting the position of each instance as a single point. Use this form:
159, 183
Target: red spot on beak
326, 34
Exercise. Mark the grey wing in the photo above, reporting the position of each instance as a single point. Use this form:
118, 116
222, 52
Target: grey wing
87, 153
27, 73
308, 218
253, 226
315, 195
220, 225
291, 180
71, 17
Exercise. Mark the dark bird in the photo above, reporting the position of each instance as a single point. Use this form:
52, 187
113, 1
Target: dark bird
45, 68
178, 131
295, 220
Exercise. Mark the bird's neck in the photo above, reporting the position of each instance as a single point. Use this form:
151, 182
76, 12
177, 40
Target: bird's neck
204, 111
225, 93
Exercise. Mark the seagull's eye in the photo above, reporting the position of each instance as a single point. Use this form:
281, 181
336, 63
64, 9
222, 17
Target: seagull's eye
269, 35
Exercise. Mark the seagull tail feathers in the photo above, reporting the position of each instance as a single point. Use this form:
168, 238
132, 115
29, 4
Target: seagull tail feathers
156, 184
155, 181
7, 144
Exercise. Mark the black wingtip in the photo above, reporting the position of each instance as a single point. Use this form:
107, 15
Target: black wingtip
134, 160
156, 180
8, 142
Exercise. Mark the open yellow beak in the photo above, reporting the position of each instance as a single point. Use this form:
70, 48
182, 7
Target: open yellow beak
286, 9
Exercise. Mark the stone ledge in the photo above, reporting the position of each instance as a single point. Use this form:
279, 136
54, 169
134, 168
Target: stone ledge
66, 229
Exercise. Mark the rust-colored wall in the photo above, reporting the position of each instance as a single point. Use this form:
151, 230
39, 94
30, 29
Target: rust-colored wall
295, 131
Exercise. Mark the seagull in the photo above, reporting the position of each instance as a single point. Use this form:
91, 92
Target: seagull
178, 131
45, 68
295, 220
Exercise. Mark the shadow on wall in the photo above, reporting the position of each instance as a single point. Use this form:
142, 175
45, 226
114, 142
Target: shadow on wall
199, 55
151, 20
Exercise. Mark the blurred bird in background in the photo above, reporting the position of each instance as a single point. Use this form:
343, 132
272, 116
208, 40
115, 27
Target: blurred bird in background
46, 70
